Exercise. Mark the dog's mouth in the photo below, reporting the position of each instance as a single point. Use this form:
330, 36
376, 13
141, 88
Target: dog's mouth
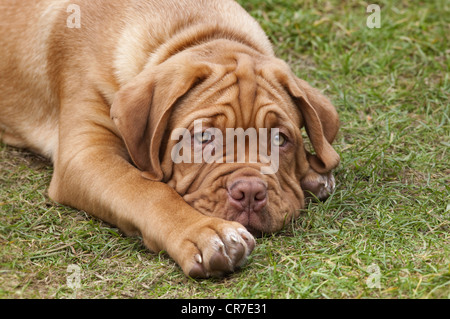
255, 232
255, 226
244, 198
255, 216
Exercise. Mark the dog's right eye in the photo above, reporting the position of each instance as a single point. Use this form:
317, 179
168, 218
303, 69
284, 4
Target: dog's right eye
203, 137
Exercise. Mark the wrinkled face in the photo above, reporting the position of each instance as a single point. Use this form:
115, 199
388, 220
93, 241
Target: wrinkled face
223, 128
251, 178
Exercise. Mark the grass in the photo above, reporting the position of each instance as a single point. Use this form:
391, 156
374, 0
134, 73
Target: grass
390, 211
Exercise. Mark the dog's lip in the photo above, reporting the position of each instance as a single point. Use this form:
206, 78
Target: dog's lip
254, 222
255, 232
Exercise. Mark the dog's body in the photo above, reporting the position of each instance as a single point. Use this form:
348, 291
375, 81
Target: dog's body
101, 100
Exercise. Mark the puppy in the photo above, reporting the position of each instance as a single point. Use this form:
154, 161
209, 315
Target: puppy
101, 87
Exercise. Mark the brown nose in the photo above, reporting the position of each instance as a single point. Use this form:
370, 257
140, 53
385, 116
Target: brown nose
248, 194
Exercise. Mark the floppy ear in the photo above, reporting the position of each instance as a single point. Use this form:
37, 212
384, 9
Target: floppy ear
320, 118
141, 109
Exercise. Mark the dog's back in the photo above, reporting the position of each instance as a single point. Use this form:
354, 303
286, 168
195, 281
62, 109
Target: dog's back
28, 116
36, 43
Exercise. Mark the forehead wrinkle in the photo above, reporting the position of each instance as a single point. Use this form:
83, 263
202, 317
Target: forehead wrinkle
274, 93
281, 99
246, 78
264, 116
214, 92
211, 93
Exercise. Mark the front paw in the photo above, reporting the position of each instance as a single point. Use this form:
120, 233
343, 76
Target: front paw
213, 248
318, 185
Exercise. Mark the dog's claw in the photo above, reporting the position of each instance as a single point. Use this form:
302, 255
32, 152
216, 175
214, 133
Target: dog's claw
198, 258
220, 252
248, 238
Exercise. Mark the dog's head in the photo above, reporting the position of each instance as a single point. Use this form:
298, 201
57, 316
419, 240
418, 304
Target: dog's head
221, 124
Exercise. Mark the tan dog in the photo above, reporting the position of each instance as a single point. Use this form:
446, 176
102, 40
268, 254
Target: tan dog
98, 87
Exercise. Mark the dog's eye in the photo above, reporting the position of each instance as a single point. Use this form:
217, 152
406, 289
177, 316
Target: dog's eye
203, 137
279, 139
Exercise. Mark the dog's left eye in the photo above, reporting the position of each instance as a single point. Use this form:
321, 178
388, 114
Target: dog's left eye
279, 139
203, 137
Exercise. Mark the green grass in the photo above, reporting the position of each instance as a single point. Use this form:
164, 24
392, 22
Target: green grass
391, 208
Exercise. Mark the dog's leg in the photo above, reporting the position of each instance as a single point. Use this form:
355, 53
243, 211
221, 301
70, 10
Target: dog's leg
92, 174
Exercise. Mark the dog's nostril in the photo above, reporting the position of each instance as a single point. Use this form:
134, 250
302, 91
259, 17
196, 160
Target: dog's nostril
237, 194
248, 193
261, 195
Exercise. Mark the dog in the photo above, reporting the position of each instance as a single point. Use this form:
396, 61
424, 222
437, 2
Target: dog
99, 86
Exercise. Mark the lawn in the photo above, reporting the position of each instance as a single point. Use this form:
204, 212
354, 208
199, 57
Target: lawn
384, 233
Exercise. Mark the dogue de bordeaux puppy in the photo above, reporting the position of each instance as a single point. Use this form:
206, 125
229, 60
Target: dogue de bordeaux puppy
98, 86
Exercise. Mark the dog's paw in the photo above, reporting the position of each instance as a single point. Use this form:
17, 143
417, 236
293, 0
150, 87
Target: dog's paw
215, 248
318, 185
